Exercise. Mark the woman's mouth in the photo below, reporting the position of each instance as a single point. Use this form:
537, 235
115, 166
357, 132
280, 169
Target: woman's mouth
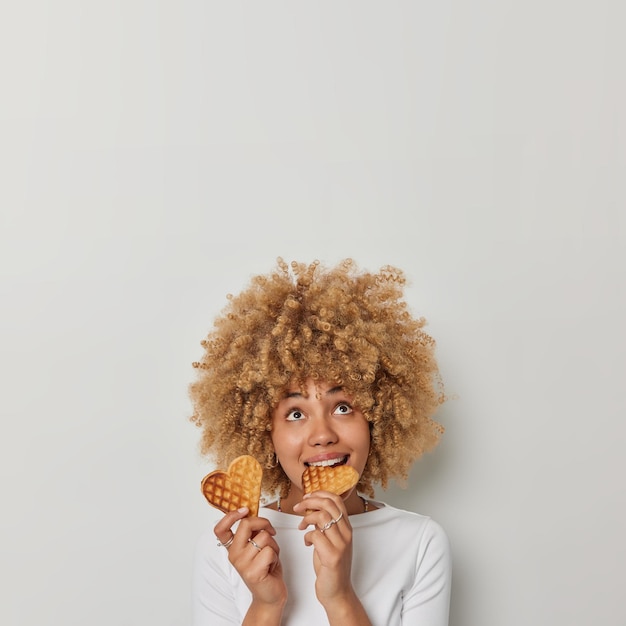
340, 460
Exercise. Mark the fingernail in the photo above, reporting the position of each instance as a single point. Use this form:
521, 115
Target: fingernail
306, 495
243, 509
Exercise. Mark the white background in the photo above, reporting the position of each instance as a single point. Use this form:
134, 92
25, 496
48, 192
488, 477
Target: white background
155, 155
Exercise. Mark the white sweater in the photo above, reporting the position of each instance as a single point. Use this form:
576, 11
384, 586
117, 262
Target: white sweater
401, 572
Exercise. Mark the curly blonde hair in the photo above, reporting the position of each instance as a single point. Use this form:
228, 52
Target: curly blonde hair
337, 325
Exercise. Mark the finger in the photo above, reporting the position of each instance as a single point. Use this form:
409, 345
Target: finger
223, 530
322, 500
335, 530
336, 536
338, 533
248, 528
322, 520
319, 519
321, 509
250, 525
328, 494
329, 531
256, 554
256, 563
264, 539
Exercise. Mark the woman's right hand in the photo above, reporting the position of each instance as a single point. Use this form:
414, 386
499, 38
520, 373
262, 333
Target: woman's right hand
258, 565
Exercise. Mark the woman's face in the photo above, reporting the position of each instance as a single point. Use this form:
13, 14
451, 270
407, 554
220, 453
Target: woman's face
327, 430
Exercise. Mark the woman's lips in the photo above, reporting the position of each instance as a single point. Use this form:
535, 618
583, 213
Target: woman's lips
327, 460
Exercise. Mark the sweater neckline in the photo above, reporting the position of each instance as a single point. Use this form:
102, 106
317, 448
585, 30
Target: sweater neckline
287, 520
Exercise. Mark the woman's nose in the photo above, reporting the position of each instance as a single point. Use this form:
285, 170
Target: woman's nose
321, 433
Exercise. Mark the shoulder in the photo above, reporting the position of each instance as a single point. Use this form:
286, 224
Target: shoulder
419, 531
430, 530
386, 514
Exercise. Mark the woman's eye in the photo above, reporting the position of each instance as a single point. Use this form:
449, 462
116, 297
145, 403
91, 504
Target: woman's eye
295, 415
343, 409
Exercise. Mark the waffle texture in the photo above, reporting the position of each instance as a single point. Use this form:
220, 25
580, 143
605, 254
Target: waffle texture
336, 479
239, 486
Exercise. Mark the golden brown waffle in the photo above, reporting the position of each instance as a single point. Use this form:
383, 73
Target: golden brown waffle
337, 479
239, 486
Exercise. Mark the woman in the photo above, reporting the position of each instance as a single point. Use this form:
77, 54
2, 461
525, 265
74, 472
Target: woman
319, 366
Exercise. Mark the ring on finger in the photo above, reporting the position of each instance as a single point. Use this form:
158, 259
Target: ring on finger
326, 526
227, 543
332, 522
255, 544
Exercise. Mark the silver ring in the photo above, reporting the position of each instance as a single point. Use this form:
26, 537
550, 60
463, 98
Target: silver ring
255, 544
227, 544
325, 527
332, 522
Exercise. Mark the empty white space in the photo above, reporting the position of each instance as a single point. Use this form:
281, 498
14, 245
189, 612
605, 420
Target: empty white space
155, 155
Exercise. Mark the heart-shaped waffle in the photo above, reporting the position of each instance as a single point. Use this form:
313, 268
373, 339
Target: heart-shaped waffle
239, 486
336, 479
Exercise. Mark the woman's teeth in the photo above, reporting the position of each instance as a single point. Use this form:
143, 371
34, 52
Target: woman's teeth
329, 462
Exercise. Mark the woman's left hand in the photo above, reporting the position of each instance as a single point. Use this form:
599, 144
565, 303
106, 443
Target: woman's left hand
332, 542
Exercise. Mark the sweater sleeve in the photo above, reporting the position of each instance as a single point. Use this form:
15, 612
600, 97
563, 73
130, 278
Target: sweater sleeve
427, 603
213, 599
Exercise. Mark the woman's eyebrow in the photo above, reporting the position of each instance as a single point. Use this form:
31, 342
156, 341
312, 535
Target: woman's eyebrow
298, 394
292, 394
